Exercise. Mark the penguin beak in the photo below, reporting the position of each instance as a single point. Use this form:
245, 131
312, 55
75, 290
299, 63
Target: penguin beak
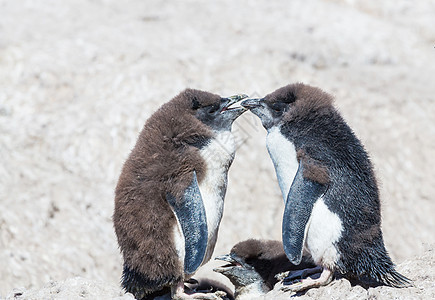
226, 257
251, 103
232, 100
232, 263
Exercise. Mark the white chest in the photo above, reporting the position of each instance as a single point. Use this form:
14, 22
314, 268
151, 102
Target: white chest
283, 155
322, 232
218, 155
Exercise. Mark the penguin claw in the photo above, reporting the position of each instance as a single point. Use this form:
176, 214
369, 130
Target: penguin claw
294, 287
303, 284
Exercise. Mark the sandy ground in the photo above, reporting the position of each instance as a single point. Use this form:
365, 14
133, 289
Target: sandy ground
78, 79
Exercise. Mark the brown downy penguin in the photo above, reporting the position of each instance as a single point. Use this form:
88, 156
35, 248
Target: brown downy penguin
332, 208
170, 195
254, 264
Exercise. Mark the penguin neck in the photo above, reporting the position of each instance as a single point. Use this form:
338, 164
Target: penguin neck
220, 149
283, 154
218, 155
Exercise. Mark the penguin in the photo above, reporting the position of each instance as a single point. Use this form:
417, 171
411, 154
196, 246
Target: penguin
169, 198
253, 266
332, 206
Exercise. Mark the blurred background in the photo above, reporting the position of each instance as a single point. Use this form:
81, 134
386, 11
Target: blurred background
78, 79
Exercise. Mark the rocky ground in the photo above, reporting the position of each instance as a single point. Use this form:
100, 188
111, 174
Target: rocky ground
79, 78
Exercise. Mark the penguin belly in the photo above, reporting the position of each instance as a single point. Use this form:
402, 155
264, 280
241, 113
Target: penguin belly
283, 155
322, 234
179, 241
218, 155
324, 227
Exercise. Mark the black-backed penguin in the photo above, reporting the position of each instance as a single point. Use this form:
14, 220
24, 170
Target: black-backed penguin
332, 207
253, 265
170, 195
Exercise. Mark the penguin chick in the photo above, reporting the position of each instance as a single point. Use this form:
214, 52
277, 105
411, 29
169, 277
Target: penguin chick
332, 207
170, 194
254, 264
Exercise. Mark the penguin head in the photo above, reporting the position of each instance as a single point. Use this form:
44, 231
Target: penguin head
213, 110
288, 103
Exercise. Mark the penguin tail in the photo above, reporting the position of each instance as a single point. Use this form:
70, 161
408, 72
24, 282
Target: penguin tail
395, 279
373, 267
142, 287
386, 274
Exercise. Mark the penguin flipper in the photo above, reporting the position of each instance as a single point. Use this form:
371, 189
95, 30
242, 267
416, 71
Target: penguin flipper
190, 212
298, 207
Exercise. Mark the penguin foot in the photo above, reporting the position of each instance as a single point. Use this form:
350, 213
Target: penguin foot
204, 296
179, 294
291, 277
307, 283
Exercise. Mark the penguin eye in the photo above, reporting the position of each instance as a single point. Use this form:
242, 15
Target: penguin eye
211, 109
249, 260
195, 104
278, 106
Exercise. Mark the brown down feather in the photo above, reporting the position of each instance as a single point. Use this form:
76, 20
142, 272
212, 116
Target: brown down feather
161, 162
